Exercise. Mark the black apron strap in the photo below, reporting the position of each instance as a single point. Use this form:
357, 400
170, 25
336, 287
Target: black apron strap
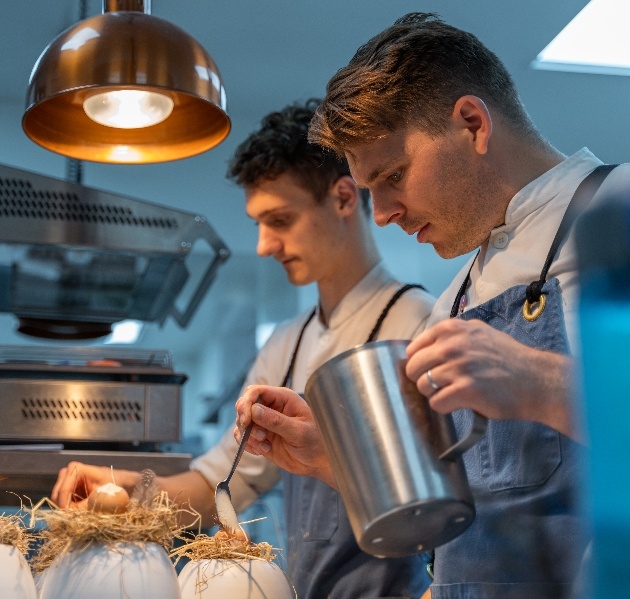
533, 294
456, 308
387, 308
289, 373
584, 192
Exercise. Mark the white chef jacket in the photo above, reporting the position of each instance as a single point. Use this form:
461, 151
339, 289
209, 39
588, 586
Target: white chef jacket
349, 324
516, 251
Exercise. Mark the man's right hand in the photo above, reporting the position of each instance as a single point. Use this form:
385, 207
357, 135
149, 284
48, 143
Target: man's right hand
284, 431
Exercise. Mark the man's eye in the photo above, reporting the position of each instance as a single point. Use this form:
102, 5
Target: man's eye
395, 176
279, 222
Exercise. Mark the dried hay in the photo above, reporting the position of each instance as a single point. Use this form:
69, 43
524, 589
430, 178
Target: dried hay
74, 529
222, 547
13, 532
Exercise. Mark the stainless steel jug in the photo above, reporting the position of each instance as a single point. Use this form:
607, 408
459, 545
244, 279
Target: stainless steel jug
397, 462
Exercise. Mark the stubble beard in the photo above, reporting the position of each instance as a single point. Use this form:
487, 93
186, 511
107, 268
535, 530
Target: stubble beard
475, 215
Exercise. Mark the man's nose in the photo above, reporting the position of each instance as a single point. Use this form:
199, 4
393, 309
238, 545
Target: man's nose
384, 212
268, 243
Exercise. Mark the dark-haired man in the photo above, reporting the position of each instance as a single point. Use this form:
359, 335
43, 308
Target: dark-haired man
315, 221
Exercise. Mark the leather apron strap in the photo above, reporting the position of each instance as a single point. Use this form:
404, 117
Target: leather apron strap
377, 327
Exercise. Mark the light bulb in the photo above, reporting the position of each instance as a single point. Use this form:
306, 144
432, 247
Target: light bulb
128, 108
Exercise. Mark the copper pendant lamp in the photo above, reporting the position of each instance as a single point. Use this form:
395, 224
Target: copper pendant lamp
126, 87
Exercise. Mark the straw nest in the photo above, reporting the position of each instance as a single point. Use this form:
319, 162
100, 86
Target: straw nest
222, 546
66, 530
13, 532
232, 551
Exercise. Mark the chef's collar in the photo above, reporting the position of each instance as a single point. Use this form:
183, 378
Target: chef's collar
360, 294
544, 188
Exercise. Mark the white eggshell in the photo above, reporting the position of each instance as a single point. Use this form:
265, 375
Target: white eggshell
39, 578
120, 571
229, 579
16, 580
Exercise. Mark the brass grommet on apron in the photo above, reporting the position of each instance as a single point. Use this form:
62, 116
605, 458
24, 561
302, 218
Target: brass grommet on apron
530, 315
585, 191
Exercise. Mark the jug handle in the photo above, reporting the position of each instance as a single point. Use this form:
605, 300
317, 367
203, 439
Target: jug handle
477, 430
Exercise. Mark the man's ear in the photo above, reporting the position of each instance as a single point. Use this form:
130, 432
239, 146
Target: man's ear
346, 194
471, 115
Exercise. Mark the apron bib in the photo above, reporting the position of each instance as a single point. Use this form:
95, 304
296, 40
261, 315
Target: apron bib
528, 535
322, 552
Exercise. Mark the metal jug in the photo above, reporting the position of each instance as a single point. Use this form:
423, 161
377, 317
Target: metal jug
396, 461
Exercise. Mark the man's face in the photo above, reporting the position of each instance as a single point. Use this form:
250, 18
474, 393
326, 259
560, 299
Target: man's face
306, 237
438, 189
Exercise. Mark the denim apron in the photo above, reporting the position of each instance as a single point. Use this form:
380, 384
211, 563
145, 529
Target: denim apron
528, 534
324, 560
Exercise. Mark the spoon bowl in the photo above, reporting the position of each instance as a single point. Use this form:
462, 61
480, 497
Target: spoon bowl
222, 495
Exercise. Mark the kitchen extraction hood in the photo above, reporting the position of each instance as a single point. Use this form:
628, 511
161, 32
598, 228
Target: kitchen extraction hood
74, 260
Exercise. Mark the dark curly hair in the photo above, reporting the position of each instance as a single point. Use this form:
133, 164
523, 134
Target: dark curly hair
281, 146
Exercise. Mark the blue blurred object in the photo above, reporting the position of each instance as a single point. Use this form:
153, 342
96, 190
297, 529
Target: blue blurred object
603, 242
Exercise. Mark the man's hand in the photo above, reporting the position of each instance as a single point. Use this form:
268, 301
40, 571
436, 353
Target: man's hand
478, 367
284, 431
76, 481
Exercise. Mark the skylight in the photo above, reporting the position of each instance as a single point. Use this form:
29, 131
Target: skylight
595, 41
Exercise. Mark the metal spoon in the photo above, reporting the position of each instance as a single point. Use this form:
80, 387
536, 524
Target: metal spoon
222, 496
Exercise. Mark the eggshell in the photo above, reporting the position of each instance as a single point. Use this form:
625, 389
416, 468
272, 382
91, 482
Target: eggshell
16, 580
228, 579
108, 499
238, 535
39, 578
120, 571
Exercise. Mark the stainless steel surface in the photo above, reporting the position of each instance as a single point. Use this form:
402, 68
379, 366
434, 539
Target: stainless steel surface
67, 400
73, 254
477, 430
107, 406
32, 474
384, 442
89, 411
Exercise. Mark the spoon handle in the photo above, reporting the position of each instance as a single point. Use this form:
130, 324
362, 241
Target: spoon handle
239, 451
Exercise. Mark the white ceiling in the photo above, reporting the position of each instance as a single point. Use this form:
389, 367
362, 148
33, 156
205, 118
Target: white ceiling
274, 52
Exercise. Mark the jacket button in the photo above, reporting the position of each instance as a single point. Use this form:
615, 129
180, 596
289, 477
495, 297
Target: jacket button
500, 241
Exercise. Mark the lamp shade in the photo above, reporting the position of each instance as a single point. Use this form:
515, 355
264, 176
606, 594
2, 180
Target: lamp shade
125, 50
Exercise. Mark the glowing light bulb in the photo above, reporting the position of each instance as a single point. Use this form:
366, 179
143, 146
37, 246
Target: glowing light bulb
128, 108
